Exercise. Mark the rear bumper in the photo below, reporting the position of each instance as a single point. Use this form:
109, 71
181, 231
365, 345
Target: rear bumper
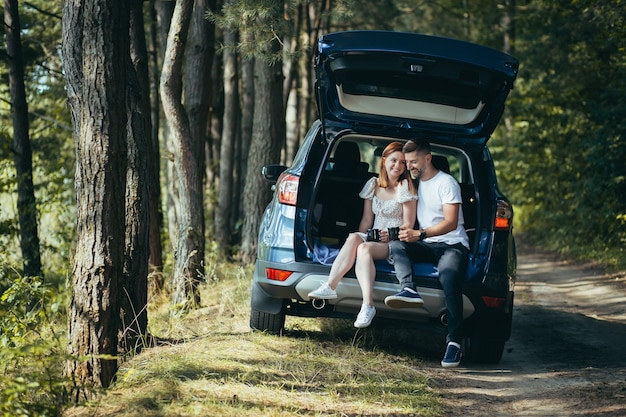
291, 296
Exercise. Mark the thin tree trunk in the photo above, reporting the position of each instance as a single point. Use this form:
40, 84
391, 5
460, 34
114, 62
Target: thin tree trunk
199, 53
165, 9
96, 61
508, 27
292, 90
134, 299
223, 230
154, 164
216, 117
247, 119
188, 254
508, 46
268, 132
22, 156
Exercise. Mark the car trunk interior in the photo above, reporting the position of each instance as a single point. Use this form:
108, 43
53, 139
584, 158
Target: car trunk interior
353, 160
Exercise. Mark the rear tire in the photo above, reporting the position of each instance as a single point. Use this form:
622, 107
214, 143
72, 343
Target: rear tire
484, 349
266, 322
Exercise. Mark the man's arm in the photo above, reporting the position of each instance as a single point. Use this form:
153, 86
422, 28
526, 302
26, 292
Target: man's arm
448, 224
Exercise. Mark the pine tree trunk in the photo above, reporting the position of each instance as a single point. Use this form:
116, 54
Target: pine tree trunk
96, 76
247, 120
268, 133
134, 298
199, 51
189, 244
230, 132
216, 119
164, 11
154, 163
22, 155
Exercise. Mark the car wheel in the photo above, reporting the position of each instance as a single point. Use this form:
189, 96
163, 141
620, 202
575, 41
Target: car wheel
271, 323
484, 349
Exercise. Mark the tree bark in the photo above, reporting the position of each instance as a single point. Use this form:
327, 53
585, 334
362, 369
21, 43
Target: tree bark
22, 156
268, 130
199, 51
134, 299
165, 10
154, 163
292, 87
247, 120
216, 121
223, 231
188, 254
95, 50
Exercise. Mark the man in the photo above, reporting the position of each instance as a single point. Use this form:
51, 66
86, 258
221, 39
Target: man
440, 238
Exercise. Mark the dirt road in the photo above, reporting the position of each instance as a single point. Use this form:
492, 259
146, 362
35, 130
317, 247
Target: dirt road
567, 353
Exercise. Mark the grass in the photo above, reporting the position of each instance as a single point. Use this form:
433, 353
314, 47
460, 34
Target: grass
208, 363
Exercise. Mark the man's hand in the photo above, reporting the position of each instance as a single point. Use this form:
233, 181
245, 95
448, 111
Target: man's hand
408, 235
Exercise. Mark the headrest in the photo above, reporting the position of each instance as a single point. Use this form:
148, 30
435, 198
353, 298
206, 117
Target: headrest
347, 153
441, 163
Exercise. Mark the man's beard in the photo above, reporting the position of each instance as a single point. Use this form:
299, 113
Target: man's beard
416, 174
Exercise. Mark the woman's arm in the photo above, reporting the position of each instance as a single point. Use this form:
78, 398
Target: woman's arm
367, 221
409, 214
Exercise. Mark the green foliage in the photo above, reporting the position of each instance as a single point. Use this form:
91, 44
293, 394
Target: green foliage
563, 162
264, 24
51, 141
31, 349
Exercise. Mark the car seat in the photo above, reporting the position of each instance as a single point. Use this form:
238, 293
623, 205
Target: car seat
347, 159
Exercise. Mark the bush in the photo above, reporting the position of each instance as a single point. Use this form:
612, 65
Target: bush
31, 353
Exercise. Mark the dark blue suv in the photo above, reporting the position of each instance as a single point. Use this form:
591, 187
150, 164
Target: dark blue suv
372, 88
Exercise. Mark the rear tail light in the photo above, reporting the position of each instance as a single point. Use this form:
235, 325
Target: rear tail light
493, 302
504, 216
287, 186
277, 274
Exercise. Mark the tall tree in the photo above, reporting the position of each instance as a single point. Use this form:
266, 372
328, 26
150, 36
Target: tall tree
199, 52
96, 62
269, 118
134, 298
22, 154
230, 133
154, 163
189, 245
247, 120
164, 11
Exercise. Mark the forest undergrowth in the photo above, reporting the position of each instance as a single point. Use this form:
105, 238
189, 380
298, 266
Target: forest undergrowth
208, 362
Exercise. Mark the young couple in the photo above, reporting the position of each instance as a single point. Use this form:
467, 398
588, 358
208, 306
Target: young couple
392, 201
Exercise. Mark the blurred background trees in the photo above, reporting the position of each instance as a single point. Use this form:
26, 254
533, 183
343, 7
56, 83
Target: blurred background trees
231, 89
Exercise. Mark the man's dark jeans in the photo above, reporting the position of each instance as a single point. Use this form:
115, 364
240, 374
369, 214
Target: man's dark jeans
451, 262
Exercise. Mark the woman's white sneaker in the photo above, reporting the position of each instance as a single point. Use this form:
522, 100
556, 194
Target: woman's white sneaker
324, 292
365, 316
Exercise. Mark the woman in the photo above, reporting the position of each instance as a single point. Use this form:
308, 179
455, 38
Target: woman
389, 201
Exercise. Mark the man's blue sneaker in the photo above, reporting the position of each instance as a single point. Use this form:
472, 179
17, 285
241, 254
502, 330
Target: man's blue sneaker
407, 298
452, 358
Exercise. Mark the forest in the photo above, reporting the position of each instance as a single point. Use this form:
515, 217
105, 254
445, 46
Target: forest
133, 134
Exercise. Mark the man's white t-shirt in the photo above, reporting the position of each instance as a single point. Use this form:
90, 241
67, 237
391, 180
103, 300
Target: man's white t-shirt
432, 195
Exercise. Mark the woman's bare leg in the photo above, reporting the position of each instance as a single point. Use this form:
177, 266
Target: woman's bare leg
345, 259
365, 268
